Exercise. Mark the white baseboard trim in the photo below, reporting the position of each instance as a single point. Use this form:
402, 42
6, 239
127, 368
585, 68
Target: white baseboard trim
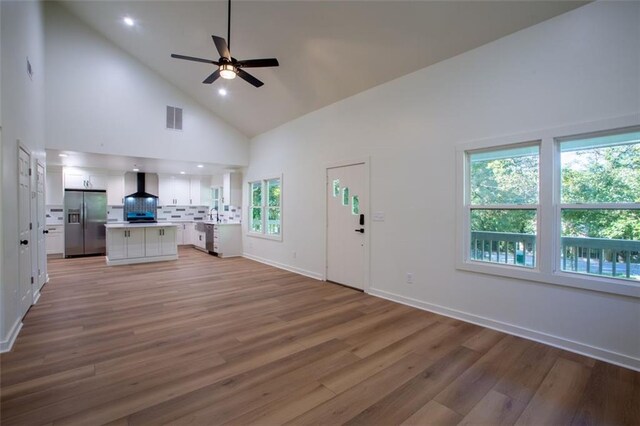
289, 268
36, 297
6, 345
537, 336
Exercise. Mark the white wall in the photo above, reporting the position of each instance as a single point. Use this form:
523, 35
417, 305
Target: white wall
100, 99
579, 67
22, 36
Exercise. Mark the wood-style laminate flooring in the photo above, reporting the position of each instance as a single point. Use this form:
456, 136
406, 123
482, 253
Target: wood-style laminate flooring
208, 341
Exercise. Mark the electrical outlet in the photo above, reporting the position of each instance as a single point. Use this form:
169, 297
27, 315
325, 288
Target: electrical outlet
409, 277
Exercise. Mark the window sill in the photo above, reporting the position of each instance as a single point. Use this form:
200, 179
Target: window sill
566, 279
265, 236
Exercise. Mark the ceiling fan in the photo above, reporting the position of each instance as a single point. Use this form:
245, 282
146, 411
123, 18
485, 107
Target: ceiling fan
228, 66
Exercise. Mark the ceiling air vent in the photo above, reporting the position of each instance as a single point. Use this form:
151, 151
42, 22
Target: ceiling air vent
174, 118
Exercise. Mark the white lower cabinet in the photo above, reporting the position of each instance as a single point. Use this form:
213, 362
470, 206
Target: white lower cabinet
54, 240
141, 244
160, 241
189, 230
227, 240
200, 239
184, 233
180, 231
125, 243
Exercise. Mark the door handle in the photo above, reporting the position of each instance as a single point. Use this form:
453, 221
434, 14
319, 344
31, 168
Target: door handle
45, 231
361, 219
24, 242
361, 230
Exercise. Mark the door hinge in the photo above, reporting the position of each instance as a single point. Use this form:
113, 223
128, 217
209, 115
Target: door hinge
30, 171
32, 280
30, 225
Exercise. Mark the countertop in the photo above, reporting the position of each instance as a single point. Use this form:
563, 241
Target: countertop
138, 225
213, 222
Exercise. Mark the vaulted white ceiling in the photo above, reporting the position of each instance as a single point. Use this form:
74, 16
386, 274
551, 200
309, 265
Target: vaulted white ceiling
328, 50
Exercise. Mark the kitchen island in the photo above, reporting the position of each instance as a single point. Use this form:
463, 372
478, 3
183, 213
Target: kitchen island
129, 243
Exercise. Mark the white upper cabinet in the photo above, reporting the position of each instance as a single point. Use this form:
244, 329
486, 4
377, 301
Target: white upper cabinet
54, 192
115, 189
84, 179
178, 190
232, 189
194, 191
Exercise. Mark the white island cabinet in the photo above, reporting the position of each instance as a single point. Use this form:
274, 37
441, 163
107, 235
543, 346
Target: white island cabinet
140, 243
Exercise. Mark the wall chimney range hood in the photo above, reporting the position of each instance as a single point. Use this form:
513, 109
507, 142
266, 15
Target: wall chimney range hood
141, 193
140, 207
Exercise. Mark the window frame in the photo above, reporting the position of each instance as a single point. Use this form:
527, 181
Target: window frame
264, 207
548, 240
469, 207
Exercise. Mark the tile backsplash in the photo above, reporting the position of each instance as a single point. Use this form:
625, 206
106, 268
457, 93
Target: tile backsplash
54, 215
230, 214
169, 213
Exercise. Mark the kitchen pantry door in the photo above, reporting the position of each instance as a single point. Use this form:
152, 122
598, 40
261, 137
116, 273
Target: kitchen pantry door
24, 222
347, 201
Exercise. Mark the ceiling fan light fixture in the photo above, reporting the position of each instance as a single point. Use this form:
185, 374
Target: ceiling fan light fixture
228, 71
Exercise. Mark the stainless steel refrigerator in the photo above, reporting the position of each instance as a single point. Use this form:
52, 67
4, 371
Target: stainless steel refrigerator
85, 214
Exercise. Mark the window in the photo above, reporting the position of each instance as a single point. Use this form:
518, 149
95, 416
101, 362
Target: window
562, 209
216, 191
265, 214
503, 205
599, 212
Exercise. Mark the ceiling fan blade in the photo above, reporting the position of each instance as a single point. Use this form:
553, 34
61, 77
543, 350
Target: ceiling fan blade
213, 77
249, 78
191, 58
222, 47
258, 63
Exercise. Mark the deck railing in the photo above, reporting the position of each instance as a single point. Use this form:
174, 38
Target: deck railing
599, 256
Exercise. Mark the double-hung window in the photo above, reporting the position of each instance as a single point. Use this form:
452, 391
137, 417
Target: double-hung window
561, 209
503, 205
265, 207
600, 204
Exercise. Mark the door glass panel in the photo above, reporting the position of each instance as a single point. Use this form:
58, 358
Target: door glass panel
355, 205
336, 187
345, 196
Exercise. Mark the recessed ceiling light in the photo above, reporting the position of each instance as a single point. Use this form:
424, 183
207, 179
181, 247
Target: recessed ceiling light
129, 21
200, 166
136, 170
182, 173
62, 155
222, 92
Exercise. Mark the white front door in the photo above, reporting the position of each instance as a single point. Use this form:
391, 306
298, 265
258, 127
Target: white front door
24, 220
42, 245
347, 199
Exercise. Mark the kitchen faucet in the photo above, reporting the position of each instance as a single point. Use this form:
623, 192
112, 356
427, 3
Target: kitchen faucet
211, 214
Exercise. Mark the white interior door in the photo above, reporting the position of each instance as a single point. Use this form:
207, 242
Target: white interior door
40, 206
347, 198
24, 221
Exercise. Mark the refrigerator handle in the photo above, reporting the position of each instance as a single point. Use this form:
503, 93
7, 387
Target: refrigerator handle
84, 215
